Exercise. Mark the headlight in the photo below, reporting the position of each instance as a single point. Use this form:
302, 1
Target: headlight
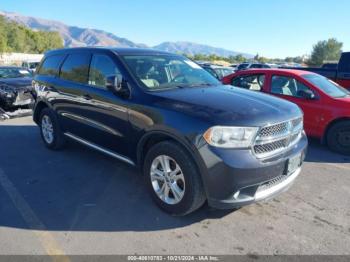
230, 137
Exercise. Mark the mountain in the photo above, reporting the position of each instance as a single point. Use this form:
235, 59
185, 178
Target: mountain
74, 36
194, 48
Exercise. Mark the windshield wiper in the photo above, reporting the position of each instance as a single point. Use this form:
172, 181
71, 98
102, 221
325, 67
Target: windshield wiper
194, 85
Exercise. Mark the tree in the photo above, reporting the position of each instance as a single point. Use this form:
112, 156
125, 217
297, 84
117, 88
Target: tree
236, 59
330, 50
3, 37
256, 57
17, 38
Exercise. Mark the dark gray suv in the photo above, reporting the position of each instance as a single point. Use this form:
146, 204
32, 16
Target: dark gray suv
194, 139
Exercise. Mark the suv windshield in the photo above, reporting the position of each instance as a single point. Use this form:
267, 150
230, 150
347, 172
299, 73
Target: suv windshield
166, 71
327, 86
14, 73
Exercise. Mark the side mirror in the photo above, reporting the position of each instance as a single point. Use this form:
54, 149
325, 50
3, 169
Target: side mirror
117, 84
307, 94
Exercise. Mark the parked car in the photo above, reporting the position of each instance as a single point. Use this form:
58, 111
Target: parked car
194, 139
245, 66
15, 87
339, 74
326, 105
218, 71
31, 65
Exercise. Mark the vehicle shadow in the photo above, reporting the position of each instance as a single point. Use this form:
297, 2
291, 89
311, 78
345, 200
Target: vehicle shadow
319, 153
78, 189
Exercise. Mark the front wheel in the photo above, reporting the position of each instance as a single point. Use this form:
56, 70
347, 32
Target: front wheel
172, 178
338, 137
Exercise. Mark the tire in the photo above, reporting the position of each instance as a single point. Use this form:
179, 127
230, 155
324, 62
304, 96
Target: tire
57, 141
338, 138
187, 179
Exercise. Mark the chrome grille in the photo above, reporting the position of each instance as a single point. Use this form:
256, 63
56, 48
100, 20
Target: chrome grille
270, 147
274, 130
278, 137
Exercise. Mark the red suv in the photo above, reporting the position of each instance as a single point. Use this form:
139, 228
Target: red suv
326, 105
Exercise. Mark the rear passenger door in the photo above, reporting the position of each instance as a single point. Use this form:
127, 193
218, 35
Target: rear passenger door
71, 103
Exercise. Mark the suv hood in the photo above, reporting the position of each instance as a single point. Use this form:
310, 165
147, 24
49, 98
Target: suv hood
17, 82
227, 105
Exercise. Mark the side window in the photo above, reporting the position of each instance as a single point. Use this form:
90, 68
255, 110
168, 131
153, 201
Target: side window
51, 65
251, 82
101, 67
76, 68
288, 86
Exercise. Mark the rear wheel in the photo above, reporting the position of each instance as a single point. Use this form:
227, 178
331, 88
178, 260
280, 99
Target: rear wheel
172, 179
338, 137
50, 130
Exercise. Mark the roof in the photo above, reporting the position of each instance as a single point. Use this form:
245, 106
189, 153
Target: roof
118, 50
276, 70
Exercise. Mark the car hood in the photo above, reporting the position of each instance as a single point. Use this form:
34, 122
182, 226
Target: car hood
227, 105
17, 82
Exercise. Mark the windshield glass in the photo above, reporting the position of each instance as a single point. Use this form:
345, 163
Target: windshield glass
327, 86
13, 73
166, 71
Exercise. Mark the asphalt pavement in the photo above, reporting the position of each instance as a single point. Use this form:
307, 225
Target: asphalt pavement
78, 201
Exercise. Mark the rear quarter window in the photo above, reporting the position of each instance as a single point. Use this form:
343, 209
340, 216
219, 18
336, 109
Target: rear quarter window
50, 66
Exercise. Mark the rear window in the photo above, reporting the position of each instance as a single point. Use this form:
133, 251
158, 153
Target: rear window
51, 65
76, 68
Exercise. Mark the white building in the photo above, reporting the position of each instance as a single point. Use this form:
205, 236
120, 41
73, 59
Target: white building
18, 58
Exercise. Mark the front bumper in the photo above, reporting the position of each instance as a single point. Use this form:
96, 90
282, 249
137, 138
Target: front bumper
234, 178
14, 96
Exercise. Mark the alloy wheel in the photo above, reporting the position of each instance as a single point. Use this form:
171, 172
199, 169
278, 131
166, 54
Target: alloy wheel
167, 179
47, 129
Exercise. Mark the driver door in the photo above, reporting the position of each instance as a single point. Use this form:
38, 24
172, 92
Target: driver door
106, 112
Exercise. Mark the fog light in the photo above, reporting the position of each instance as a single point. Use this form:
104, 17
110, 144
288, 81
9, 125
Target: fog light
235, 196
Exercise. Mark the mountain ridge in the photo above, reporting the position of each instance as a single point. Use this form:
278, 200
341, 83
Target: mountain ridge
74, 36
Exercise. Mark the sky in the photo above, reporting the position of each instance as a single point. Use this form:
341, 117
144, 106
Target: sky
271, 28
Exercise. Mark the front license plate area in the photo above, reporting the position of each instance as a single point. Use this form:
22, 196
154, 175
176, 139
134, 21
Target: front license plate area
293, 164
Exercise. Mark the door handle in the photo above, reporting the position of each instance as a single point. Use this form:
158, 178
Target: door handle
87, 97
